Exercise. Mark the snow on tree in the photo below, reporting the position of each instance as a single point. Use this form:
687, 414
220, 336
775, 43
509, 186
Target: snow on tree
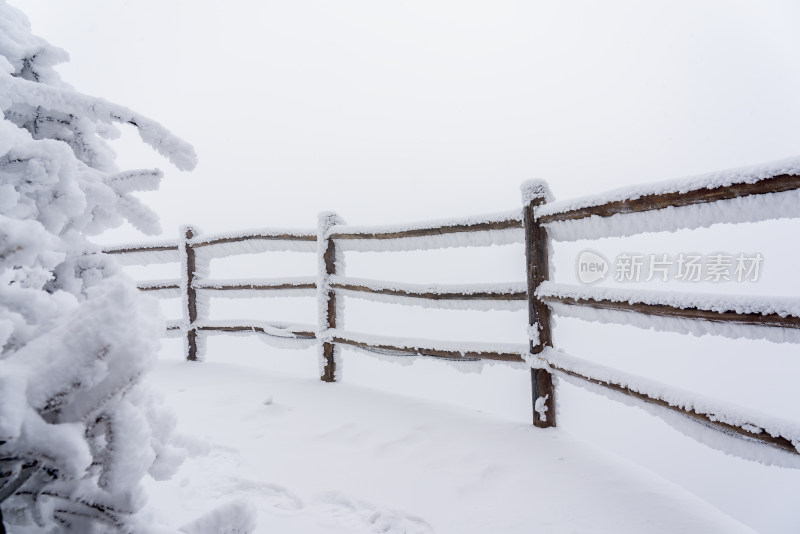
78, 427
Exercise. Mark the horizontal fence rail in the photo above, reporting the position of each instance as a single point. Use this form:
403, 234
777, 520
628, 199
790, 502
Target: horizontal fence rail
264, 285
157, 285
537, 292
435, 353
661, 309
263, 236
476, 293
289, 333
504, 223
472, 352
665, 310
143, 248
747, 431
658, 201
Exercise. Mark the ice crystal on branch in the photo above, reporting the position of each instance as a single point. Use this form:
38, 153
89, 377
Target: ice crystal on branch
78, 427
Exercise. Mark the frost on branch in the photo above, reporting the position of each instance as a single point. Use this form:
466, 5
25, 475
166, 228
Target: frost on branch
78, 427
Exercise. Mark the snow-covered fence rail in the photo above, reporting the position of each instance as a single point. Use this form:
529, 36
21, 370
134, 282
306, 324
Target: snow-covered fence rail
330, 237
748, 195
473, 231
637, 201
498, 292
738, 311
191, 252
754, 194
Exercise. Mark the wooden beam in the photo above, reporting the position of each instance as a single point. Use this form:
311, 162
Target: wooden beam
191, 295
477, 295
705, 419
543, 392
265, 286
432, 352
132, 250
776, 184
144, 286
214, 286
296, 334
263, 237
665, 310
434, 231
326, 297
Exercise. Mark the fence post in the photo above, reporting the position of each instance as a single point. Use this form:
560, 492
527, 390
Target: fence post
188, 292
326, 266
535, 193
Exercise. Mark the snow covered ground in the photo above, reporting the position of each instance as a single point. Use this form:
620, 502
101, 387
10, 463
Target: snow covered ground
335, 458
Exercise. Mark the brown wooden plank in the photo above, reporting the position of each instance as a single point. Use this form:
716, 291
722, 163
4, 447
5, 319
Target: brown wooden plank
299, 334
478, 295
434, 231
255, 287
705, 419
329, 349
191, 339
133, 250
262, 237
145, 287
538, 270
191, 295
664, 310
436, 353
776, 184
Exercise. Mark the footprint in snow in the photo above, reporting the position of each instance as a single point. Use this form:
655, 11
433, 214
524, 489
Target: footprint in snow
339, 510
272, 494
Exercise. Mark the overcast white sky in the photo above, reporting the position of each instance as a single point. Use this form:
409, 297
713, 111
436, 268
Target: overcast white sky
392, 111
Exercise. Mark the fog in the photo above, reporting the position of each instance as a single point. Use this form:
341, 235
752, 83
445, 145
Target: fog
407, 110
391, 112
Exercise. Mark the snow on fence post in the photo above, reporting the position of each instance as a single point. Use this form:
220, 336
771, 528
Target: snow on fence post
326, 266
535, 193
188, 292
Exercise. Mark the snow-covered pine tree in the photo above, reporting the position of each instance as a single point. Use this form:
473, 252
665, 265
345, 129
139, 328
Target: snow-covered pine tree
78, 428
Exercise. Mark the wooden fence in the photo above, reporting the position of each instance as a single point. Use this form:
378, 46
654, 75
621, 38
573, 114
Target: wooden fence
534, 222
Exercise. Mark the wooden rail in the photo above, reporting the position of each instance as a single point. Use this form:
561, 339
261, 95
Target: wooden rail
144, 248
709, 420
158, 285
294, 334
774, 184
666, 310
462, 355
430, 295
262, 236
265, 285
431, 231
535, 218
190, 284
